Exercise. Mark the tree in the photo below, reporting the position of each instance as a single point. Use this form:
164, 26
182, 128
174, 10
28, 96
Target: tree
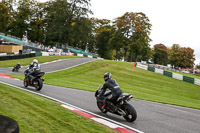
160, 54
181, 56
62, 17
197, 66
5, 18
36, 27
175, 55
103, 33
81, 35
136, 27
116, 41
187, 58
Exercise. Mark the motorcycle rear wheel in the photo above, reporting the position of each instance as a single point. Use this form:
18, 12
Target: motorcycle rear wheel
130, 111
99, 105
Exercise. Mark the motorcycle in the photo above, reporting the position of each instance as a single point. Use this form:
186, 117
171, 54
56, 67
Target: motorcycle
16, 68
36, 82
123, 107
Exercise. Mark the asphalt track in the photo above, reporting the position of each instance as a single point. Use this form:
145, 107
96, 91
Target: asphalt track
152, 117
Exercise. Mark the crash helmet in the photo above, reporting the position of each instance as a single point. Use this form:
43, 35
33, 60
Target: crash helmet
35, 61
18, 63
107, 76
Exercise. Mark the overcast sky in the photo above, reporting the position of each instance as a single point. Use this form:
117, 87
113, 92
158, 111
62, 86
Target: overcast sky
173, 21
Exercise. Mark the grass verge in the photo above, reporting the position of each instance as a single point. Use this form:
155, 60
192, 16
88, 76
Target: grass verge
27, 61
35, 114
141, 83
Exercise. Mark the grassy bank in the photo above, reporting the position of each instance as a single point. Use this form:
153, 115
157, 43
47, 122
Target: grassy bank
36, 114
27, 61
141, 83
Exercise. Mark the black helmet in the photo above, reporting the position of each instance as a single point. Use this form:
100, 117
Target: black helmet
107, 76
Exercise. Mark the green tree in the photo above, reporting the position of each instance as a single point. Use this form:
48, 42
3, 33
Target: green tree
81, 35
197, 66
62, 19
160, 54
175, 55
103, 33
22, 17
116, 41
36, 27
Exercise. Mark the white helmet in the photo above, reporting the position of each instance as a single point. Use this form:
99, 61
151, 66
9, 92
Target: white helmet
35, 61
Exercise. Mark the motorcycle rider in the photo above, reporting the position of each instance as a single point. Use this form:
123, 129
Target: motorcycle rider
18, 66
33, 68
116, 91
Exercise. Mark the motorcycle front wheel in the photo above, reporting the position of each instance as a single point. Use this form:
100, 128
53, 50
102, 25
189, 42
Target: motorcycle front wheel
25, 83
99, 105
39, 84
131, 114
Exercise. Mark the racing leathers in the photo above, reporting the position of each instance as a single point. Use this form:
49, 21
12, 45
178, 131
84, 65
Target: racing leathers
116, 91
33, 68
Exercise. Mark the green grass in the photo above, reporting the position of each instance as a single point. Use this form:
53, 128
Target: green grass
35, 114
141, 83
27, 61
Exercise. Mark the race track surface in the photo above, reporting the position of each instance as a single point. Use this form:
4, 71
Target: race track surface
152, 117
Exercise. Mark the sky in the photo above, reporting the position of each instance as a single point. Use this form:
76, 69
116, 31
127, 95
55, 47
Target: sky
173, 21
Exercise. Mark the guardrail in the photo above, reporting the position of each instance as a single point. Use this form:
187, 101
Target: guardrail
16, 56
169, 74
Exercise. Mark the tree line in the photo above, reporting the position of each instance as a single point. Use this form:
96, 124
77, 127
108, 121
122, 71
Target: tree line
67, 23
177, 56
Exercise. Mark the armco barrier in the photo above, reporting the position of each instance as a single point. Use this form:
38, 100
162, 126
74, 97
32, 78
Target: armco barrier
177, 76
160, 71
188, 79
169, 74
19, 56
197, 81
151, 69
141, 66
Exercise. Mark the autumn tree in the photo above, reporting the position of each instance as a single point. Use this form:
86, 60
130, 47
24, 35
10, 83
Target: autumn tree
136, 28
187, 57
5, 17
160, 54
181, 56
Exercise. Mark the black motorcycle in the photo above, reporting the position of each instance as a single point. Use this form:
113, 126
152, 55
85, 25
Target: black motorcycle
123, 107
36, 81
16, 68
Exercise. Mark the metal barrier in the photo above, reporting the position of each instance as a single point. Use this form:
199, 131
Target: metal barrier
18, 56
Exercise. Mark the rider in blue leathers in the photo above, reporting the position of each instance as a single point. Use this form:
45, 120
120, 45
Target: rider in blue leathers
33, 68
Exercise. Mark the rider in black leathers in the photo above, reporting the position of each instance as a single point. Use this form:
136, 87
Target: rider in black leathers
116, 91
